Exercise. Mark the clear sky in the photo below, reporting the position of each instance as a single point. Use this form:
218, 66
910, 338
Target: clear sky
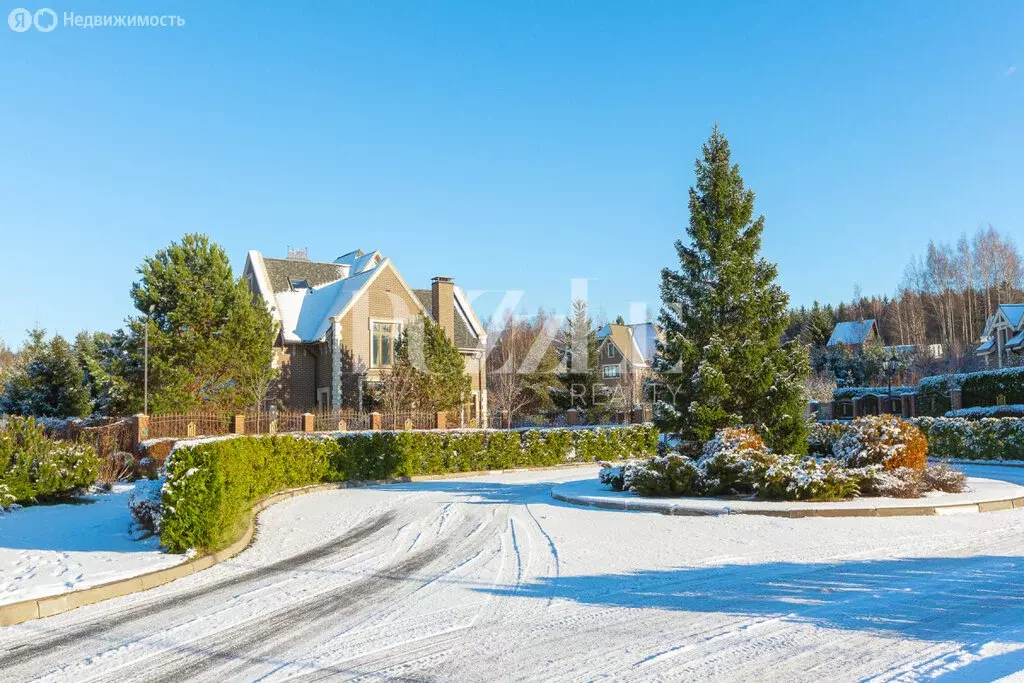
512, 145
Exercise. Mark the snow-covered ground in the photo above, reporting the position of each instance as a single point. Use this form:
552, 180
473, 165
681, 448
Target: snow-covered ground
489, 578
52, 549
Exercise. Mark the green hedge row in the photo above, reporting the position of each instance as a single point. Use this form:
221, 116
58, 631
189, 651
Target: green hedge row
33, 466
212, 485
977, 389
986, 439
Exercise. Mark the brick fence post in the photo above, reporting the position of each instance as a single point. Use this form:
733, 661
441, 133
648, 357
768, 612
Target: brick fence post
856, 405
375, 420
572, 417
441, 421
956, 399
308, 423
140, 430
637, 416
238, 424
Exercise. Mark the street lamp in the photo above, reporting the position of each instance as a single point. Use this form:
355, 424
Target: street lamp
145, 367
889, 367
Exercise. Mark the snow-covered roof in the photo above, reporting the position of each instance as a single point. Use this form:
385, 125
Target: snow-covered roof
328, 290
306, 313
1015, 341
1014, 313
853, 332
986, 347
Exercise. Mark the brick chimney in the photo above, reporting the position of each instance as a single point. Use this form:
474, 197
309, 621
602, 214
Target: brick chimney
442, 304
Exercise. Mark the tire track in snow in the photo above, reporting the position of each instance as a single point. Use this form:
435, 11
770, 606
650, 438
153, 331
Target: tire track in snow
18, 654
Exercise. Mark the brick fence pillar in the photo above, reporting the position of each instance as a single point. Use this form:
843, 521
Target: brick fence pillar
441, 421
637, 416
572, 417
375, 420
140, 430
238, 424
956, 399
856, 405
308, 423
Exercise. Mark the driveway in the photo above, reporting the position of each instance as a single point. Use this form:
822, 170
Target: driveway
488, 578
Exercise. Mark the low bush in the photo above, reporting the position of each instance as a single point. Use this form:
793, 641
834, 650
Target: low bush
873, 456
211, 486
884, 440
942, 477
33, 466
822, 437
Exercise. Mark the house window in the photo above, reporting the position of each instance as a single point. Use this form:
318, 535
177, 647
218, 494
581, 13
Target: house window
382, 344
611, 351
295, 283
610, 371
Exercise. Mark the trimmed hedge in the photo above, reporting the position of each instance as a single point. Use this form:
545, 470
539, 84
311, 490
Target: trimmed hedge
212, 485
33, 466
977, 389
985, 439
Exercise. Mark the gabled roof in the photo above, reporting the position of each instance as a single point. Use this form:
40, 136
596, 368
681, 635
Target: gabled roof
282, 270
1014, 314
854, 332
636, 342
305, 312
1015, 341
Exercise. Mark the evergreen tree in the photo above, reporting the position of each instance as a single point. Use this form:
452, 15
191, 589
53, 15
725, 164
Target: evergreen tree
110, 392
46, 380
578, 368
722, 362
441, 383
619, 320
207, 333
818, 326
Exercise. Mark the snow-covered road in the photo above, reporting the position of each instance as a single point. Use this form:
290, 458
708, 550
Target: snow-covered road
489, 578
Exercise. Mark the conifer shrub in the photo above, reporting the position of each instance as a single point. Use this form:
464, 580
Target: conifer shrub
33, 466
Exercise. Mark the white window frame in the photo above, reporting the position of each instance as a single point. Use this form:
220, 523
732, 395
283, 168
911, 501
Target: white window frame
607, 375
396, 332
611, 350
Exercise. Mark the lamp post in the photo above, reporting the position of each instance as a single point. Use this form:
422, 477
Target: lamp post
145, 367
889, 366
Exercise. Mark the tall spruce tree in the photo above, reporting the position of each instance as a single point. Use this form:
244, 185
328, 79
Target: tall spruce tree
46, 380
207, 332
722, 362
578, 368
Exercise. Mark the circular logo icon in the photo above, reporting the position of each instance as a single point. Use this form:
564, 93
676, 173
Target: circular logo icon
45, 20
19, 20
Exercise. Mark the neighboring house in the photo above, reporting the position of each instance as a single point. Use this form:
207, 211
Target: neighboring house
933, 351
625, 354
339, 321
854, 334
1003, 336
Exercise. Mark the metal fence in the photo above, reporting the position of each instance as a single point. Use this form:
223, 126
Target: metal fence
189, 425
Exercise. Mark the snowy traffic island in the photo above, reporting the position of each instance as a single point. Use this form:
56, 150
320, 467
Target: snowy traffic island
875, 466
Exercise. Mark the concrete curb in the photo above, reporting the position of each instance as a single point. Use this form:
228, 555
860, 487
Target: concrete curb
37, 608
682, 509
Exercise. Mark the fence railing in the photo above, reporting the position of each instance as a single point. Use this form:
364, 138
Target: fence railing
189, 424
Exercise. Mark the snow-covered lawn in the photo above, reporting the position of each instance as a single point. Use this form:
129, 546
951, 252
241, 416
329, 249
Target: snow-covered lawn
489, 578
52, 549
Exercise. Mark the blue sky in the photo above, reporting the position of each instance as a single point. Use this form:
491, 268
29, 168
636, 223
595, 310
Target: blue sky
512, 145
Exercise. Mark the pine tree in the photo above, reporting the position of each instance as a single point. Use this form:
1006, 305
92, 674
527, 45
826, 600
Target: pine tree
578, 368
46, 380
818, 326
722, 362
207, 333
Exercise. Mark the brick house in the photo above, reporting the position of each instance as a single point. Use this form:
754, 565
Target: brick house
625, 354
338, 322
1003, 337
